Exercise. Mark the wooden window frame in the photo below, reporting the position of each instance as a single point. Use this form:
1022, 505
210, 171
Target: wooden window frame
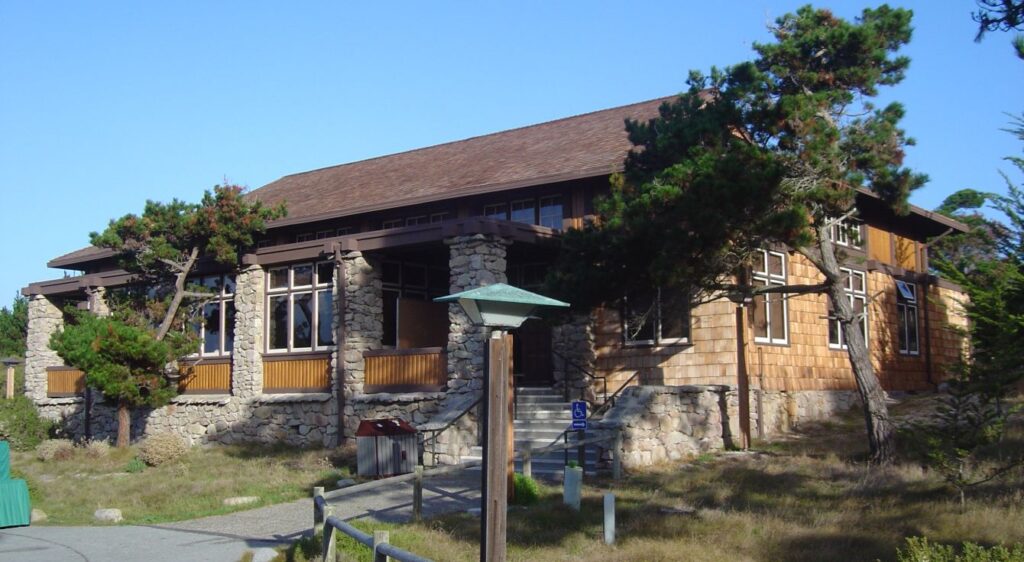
658, 339
853, 295
773, 279
291, 290
908, 306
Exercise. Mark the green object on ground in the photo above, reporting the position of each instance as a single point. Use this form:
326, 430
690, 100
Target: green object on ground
15, 508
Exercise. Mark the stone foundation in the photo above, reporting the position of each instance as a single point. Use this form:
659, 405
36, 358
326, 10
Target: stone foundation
785, 410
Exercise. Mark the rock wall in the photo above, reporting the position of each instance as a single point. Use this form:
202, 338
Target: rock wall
668, 423
782, 410
363, 330
574, 340
44, 318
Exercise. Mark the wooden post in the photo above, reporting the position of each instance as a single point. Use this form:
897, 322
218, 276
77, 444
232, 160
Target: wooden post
379, 538
330, 549
318, 517
492, 547
617, 456
510, 425
743, 381
10, 381
417, 494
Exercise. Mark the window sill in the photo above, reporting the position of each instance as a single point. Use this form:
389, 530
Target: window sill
772, 343
295, 355
398, 397
219, 399
60, 400
273, 398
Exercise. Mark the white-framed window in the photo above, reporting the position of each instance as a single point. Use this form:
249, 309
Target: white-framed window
265, 243
551, 211
324, 234
343, 231
304, 237
906, 318
393, 223
846, 232
439, 217
769, 310
300, 307
216, 325
855, 289
496, 211
524, 211
418, 219
659, 317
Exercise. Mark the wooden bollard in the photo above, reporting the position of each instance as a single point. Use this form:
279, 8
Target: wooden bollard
330, 549
379, 538
417, 494
527, 464
318, 516
609, 518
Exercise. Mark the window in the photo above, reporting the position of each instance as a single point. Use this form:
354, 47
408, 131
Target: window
856, 293
324, 234
439, 217
906, 317
304, 237
264, 244
343, 231
661, 317
846, 232
393, 223
216, 327
407, 280
769, 309
300, 307
528, 275
524, 211
551, 212
419, 219
497, 211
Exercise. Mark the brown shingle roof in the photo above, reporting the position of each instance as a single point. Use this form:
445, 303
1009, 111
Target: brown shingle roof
574, 147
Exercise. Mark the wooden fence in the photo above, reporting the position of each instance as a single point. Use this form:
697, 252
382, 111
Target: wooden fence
206, 378
310, 374
64, 382
405, 370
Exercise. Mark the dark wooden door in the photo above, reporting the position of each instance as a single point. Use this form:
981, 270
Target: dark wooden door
532, 353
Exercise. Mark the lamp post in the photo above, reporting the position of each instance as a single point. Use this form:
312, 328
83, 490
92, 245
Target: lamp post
502, 307
10, 362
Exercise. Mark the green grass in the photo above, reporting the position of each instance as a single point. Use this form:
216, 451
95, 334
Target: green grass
806, 497
194, 486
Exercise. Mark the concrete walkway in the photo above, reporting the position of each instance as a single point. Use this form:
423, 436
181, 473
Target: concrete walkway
227, 537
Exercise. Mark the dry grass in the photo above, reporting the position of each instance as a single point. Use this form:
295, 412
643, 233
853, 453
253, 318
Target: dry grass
192, 486
808, 497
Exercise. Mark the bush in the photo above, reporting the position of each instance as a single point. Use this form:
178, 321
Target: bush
21, 425
920, 550
135, 466
96, 449
527, 491
55, 450
162, 448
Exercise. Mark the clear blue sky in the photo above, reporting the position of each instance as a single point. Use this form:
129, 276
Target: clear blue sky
106, 104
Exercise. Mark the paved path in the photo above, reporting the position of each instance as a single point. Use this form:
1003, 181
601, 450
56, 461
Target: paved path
227, 537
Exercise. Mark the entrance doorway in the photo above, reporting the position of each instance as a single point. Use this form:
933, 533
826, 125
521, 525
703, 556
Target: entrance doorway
531, 356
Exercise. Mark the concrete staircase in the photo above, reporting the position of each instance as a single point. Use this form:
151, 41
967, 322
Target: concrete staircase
541, 417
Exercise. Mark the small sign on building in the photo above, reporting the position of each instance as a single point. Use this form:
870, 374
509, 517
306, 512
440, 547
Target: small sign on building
579, 414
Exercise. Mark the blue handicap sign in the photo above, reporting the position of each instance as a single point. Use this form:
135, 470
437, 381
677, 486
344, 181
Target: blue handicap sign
579, 414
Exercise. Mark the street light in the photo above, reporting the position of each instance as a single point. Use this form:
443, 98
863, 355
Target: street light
10, 362
502, 307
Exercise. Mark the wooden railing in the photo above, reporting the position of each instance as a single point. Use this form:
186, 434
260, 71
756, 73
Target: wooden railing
62, 382
292, 374
212, 377
405, 370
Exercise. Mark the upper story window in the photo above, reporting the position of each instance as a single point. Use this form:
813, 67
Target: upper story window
846, 232
659, 317
299, 307
217, 326
551, 211
545, 211
344, 231
418, 219
304, 237
496, 211
770, 313
439, 217
324, 234
906, 317
393, 223
856, 292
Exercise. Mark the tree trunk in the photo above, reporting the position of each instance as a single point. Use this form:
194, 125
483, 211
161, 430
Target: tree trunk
124, 424
880, 429
179, 294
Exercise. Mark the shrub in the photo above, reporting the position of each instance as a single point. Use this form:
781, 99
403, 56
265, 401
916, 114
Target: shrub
527, 491
920, 550
162, 448
55, 450
21, 425
96, 449
135, 466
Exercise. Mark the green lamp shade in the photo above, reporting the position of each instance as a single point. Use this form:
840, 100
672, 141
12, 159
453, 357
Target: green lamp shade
500, 305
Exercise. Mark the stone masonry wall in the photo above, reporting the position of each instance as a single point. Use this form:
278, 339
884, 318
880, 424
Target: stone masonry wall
668, 423
44, 318
364, 328
574, 340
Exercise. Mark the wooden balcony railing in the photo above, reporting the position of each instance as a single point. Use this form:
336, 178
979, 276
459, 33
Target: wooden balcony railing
297, 374
405, 370
206, 377
62, 382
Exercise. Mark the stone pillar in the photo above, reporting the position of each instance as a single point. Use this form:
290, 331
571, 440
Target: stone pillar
364, 327
96, 298
474, 261
44, 318
574, 340
247, 353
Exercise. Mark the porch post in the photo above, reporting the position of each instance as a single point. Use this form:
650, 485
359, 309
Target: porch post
362, 330
44, 318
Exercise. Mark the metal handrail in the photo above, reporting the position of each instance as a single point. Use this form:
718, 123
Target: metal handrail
565, 382
564, 436
435, 433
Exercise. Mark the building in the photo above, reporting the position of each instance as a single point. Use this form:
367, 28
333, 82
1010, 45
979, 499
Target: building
330, 319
